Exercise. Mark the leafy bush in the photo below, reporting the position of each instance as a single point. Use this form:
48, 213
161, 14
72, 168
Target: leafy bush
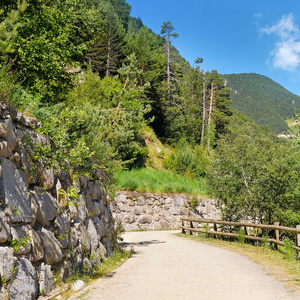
188, 161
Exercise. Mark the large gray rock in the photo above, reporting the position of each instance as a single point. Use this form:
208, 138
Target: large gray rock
47, 179
14, 193
24, 284
20, 234
89, 205
94, 191
4, 228
92, 233
34, 207
87, 265
74, 238
52, 249
47, 207
144, 219
27, 121
81, 209
101, 229
97, 208
83, 181
46, 279
6, 262
37, 250
63, 230
66, 270
7, 133
25, 161
84, 239
7, 111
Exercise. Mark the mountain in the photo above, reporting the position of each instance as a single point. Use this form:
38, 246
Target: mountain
262, 99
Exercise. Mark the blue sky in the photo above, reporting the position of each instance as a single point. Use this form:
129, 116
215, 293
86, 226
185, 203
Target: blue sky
233, 36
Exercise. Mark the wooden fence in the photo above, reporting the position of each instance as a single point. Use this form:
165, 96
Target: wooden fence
194, 224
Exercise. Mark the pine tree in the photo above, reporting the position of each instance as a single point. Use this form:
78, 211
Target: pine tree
9, 28
167, 33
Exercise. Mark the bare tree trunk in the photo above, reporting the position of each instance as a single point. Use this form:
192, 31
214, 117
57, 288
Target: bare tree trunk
204, 112
168, 64
108, 59
209, 115
120, 102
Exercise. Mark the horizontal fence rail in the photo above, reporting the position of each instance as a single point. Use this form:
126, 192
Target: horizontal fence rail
194, 228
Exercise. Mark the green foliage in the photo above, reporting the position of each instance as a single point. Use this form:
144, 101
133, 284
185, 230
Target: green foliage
288, 250
187, 160
265, 242
241, 236
193, 202
45, 47
7, 83
147, 180
9, 28
18, 243
255, 175
263, 100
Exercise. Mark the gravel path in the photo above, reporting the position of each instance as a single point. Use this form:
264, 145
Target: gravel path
169, 267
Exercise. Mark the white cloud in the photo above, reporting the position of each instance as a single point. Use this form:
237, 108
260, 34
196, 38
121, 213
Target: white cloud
286, 54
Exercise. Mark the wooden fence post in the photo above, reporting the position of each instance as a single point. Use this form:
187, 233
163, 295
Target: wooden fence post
246, 230
276, 234
191, 233
215, 229
183, 231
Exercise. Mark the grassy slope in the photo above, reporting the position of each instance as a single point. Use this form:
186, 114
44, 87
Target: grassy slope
158, 181
154, 178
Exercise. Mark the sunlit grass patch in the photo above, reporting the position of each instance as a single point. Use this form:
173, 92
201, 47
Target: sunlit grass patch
158, 181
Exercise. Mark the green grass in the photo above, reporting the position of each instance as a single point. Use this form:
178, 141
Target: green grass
158, 181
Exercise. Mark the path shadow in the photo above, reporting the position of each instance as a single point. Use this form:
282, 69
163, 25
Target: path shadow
110, 275
142, 243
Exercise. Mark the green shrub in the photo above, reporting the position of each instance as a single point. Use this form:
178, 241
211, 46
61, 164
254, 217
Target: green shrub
241, 236
187, 160
289, 251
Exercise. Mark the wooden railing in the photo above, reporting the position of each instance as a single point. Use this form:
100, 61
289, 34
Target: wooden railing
194, 224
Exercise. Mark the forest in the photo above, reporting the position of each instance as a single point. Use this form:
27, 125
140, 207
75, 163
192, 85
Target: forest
98, 79
263, 100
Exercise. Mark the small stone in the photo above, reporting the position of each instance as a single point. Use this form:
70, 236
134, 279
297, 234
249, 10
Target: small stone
78, 285
130, 202
157, 209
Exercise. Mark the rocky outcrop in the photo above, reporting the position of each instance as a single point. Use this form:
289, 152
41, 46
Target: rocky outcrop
41, 231
148, 211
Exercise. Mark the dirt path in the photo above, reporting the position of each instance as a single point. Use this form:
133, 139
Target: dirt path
169, 267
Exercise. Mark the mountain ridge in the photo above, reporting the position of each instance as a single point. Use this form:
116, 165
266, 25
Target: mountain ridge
262, 99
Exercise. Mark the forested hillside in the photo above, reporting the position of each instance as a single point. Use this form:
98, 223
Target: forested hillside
263, 100
118, 74
97, 78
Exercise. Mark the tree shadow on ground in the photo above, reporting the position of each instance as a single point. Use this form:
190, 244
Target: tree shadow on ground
142, 243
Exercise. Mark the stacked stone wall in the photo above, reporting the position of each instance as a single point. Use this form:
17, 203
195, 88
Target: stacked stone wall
136, 211
41, 231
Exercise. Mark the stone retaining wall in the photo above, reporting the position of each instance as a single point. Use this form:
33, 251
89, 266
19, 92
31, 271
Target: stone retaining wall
148, 211
40, 231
